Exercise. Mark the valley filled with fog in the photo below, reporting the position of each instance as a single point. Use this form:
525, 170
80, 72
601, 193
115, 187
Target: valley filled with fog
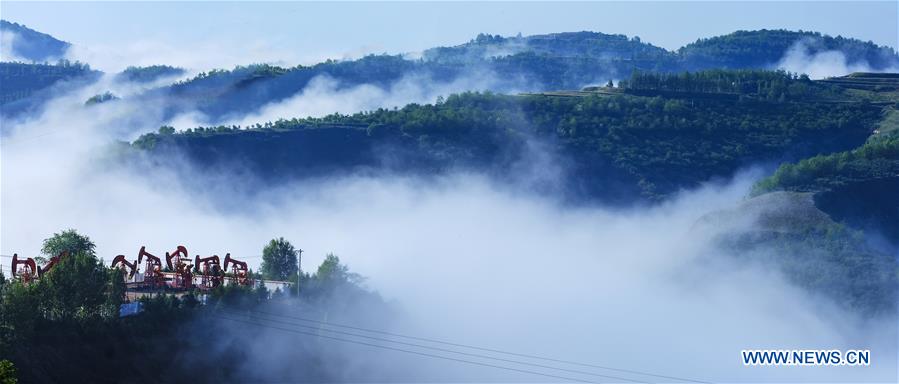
507, 260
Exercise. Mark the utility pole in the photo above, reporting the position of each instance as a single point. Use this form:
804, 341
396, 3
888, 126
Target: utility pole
299, 270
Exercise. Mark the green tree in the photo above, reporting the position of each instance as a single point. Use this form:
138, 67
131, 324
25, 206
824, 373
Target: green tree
332, 273
68, 240
76, 288
115, 292
279, 260
7, 372
19, 317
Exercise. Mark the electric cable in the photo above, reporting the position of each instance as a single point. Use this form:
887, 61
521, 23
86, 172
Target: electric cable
409, 351
449, 350
484, 349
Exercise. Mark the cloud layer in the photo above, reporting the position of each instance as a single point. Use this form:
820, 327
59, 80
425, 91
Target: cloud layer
803, 58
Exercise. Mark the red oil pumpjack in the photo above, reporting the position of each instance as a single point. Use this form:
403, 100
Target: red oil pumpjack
152, 270
53, 261
239, 269
181, 267
180, 252
28, 271
211, 273
121, 262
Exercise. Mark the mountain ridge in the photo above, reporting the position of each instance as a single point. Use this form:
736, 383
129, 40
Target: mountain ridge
32, 45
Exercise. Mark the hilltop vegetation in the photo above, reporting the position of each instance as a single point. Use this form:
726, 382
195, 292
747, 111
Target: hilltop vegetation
618, 146
571, 44
876, 159
763, 48
738, 85
149, 74
100, 98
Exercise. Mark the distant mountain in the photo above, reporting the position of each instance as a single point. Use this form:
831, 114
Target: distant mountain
761, 49
222, 93
532, 63
488, 62
26, 44
568, 44
765, 48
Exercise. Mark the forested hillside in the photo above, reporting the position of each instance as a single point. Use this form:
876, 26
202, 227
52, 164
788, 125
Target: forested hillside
818, 251
27, 86
21, 80
616, 146
655, 135
831, 220
857, 187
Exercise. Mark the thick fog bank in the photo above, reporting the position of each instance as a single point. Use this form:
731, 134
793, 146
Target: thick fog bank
462, 258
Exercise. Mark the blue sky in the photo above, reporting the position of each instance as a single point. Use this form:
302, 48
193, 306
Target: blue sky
307, 32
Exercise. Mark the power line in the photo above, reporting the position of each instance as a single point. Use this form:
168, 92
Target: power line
449, 350
482, 348
20, 140
409, 351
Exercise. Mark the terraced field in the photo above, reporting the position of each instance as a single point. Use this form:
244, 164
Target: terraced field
878, 82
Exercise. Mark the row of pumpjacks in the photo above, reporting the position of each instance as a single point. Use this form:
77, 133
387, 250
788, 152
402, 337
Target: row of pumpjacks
210, 270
